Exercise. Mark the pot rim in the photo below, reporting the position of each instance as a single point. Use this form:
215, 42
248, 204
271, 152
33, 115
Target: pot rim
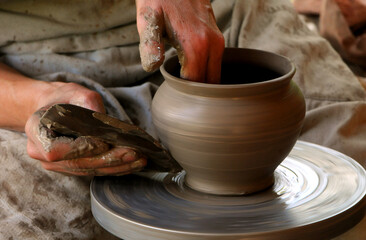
254, 56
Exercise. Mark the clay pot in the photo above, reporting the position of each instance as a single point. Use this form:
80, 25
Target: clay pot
230, 137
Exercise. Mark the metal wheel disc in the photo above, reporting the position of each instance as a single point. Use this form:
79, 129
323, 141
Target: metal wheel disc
318, 193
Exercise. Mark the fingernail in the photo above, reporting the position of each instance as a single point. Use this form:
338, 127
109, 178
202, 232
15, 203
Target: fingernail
138, 164
130, 156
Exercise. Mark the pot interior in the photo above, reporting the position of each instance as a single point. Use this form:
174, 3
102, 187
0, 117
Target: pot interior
251, 65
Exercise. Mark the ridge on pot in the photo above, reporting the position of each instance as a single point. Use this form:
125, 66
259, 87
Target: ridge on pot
230, 137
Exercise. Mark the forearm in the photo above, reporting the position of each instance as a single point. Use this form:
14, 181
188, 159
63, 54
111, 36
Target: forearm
19, 97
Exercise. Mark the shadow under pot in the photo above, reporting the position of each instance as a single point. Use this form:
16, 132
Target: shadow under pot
230, 137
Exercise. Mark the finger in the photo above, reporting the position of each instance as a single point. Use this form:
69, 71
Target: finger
87, 99
114, 157
43, 144
68, 148
35, 147
150, 28
81, 147
214, 61
33, 151
203, 65
216, 51
193, 60
122, 169
47, 147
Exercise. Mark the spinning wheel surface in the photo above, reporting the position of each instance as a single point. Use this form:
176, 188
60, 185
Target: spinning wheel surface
318, 194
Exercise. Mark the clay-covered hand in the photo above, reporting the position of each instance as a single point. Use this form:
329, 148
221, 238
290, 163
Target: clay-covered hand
82, 155
189, 26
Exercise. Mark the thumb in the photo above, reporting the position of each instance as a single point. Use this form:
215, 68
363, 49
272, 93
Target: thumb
150, 27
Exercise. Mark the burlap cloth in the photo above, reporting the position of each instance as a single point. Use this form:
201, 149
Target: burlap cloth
342, 23
95, 43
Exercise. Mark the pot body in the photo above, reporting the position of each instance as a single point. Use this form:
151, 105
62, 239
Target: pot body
230, 138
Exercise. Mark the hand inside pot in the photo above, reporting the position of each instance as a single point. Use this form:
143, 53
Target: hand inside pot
189, 26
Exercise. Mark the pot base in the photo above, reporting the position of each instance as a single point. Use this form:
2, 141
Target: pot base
318, 194
239, 189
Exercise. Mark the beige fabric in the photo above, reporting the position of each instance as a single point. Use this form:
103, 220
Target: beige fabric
334, 26
308, 6
354, 11
28, 21
343, 23
35, 204
336, 115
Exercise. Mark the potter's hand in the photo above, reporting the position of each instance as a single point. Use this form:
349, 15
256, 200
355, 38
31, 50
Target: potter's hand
188, 25
77, 156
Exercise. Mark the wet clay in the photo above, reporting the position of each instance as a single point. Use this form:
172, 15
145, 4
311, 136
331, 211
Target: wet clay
47, 139
151, 37
230, 137
70, 121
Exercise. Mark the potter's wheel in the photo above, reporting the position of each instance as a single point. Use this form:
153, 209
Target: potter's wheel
318, 194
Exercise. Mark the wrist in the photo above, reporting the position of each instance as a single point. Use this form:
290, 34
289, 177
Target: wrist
41, 90
25, 100
19, 96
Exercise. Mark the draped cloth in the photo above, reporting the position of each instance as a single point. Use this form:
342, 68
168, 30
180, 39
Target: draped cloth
95, 43
343, 23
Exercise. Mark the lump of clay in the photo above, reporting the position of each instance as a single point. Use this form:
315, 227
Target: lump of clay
74, 121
